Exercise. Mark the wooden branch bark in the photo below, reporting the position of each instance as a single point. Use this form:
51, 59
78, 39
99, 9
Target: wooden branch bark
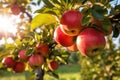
39, 73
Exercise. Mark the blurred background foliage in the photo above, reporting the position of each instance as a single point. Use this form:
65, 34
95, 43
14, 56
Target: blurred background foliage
34, 27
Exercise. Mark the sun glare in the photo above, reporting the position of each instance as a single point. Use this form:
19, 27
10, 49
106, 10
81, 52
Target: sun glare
7, 25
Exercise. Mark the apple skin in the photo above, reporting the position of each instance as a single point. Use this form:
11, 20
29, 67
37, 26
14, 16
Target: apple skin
71, 22
8, 62
42, 49
15, 9
70, 32
96, 22
89, 41
100, 25
72, 48
36, 60
19, 67
62, 38
22, 55
53, 65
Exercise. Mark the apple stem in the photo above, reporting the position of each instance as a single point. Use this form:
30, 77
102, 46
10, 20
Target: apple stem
39, 73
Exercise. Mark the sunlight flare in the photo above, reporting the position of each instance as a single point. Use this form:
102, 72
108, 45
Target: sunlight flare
7, 25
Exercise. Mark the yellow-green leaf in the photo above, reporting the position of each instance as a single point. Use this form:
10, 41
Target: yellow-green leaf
42, 19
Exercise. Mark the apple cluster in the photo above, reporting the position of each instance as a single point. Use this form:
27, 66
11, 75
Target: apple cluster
17, 66
71, 34
34, 60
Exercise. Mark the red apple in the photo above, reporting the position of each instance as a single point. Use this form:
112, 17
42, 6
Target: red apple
53, 65
62, 38
8, 62
36, 60
15, 9
100, 25
19, 67
72, 48
96, 22
71, 22
72, 32
22, 55
43, 49
89, 41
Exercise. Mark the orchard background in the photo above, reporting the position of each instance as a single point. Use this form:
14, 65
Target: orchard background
26, 25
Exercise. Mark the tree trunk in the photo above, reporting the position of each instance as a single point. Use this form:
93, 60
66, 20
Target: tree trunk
39, 73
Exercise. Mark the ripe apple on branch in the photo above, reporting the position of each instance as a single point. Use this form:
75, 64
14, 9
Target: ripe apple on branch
53, 65
8, 62
71, 22
62, 39
43, 49
22, 55
89, 39
36, 60
19, 67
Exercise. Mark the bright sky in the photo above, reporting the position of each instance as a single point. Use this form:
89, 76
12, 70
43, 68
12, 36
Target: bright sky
7, 24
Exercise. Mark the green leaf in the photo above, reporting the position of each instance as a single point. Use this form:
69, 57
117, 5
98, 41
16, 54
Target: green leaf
86, 21
53, 74
48, 11
115, 32
48, 3
33, 3
55, 1
98, 12
83, 1
38, 2
29, 51
117, 7
105, 2
61, 59
8, 46
86, 11
2, 47
106, 24
42, 19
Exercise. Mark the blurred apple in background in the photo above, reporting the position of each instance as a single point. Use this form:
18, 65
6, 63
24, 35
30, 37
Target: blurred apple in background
36, 60
8, 62
43, 49
19, 67
22, 55
53, 65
